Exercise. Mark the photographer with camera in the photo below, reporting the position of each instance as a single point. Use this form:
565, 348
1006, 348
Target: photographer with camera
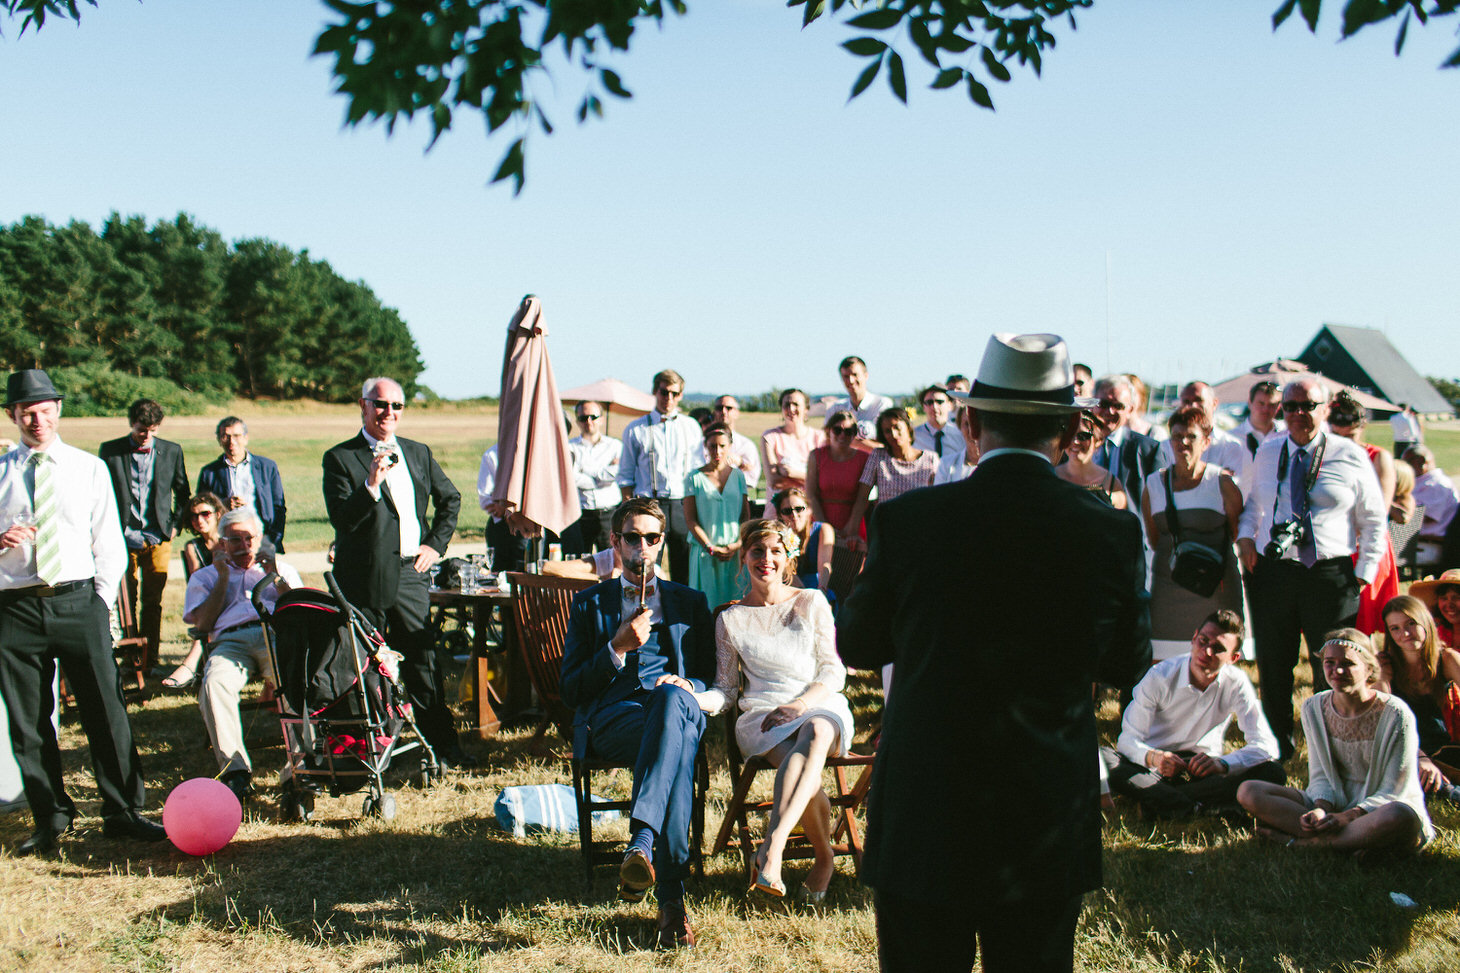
1314, 502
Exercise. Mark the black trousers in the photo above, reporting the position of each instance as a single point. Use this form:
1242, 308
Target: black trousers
406, 628
1290, 603
676, 538
509, 550
588, 532
917, 936
1175, 796
73, 629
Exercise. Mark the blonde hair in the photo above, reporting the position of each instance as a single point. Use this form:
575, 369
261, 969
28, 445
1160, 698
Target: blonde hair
1429, 653
1403, 481
1354, 639
762, 530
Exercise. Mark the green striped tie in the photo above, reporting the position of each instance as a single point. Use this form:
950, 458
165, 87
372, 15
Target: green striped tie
47, 519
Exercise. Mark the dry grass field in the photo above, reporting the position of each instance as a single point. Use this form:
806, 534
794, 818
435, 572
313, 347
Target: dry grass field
440, 889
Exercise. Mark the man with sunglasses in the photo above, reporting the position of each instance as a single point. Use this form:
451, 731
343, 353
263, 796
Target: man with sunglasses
1314, 500
937, 433
377, 488
595, 472
1130, 456
638, 651
659, 453
744, 454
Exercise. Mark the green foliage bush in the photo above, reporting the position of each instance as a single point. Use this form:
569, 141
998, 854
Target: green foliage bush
94, 389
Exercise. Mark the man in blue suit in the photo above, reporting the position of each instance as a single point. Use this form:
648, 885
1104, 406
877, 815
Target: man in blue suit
638, 651
240, 478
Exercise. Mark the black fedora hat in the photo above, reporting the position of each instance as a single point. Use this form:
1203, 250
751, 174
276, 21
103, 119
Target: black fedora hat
31, 385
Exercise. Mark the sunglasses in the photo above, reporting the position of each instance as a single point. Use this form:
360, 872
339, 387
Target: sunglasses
383, 405
593, 418
1303, 407
205, 513
932, 402
1084, 436
672, 393
788, 511
842, 430
1114, 405
634, 537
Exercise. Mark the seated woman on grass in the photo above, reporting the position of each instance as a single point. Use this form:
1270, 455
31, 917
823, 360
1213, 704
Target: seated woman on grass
1426, 675
792, 712
1363, 788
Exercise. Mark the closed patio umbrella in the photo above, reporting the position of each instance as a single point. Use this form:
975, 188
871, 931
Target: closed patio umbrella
534, 469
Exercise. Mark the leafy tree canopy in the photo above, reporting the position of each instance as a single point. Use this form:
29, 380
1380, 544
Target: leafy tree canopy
396, 58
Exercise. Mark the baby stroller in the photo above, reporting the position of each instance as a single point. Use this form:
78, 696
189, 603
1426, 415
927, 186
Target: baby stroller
341, 707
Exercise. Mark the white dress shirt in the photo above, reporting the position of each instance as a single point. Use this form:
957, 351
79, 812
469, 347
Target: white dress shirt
237, 606
629, 606
1346, 505
1405, 427
953, 445
658, 454
741, 447
1167, 712
1245, 429
595, 471
1436, 491
240, 479
403, 494
90, 535
872, 406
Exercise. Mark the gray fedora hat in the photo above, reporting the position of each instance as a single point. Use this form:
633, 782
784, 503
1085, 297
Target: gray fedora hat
1025, 374
31, 385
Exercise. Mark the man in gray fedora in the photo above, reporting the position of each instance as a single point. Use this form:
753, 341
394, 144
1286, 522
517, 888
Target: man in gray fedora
983, 818
61, 559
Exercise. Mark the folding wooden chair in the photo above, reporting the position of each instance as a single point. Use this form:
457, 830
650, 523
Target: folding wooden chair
131, 648
846, 837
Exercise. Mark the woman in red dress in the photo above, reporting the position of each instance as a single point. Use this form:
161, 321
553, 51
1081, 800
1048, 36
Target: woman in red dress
833, 472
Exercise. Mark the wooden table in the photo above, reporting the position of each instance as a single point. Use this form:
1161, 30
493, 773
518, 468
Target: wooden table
517, 691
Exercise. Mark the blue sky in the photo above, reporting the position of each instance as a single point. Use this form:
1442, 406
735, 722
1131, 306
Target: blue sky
739, 221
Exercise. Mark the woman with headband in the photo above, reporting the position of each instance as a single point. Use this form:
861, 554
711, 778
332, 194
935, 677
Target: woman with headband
1363, 784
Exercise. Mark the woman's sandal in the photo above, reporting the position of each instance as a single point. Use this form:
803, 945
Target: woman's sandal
175, 684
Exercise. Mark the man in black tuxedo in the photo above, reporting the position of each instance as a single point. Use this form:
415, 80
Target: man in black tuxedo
631, 674
1128, 454
984, 810
376, 490
150, 480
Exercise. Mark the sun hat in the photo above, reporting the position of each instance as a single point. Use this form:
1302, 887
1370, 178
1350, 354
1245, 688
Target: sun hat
1025, 374
1428, 590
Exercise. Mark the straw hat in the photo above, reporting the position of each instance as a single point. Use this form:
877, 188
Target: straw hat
1025, 374
1428, 590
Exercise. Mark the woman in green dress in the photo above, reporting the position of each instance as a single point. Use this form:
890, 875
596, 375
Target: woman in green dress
715, 502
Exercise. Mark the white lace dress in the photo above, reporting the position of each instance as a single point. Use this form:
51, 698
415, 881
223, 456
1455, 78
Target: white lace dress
781, 649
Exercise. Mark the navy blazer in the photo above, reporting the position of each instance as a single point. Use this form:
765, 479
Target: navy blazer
170, 494
1000, 598
268, 492
367, 533
687, 642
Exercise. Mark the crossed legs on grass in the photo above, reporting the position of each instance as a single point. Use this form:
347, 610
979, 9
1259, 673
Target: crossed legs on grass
798, 797
1281, 808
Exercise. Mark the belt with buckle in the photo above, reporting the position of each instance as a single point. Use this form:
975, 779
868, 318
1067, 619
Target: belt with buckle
51, 591
235, 628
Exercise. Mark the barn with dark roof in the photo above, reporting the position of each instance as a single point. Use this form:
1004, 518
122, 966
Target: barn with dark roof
1365, 359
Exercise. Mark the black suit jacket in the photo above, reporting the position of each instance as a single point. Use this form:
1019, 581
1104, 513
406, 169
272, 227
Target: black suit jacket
170, 494
1139, 456
1001, 599
367, 532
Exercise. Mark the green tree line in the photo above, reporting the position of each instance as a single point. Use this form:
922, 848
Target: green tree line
138, 307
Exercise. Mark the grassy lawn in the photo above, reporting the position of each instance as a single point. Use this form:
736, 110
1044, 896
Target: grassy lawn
440, 889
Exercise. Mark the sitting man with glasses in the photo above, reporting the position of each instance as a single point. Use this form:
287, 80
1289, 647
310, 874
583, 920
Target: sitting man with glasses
638, 656
1313, 501
658, 456
218, 603
377, 488
1169, 754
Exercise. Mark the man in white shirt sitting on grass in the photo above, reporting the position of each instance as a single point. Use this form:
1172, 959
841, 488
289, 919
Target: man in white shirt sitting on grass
1169, 754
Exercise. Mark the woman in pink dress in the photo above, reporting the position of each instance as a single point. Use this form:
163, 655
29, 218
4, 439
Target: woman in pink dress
785, 449
833, 472
1347, 418
896, 467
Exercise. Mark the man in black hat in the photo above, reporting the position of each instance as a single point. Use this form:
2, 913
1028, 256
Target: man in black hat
983, 826
61, 558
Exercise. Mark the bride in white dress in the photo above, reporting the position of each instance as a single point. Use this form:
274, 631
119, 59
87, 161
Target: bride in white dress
782, 640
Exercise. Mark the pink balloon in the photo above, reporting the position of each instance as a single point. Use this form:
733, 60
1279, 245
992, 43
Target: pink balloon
201, 815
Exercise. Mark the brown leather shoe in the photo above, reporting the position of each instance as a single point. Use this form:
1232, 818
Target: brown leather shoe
674, 930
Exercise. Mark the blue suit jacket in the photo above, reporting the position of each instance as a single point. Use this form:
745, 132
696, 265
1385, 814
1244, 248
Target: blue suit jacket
687, 643
268, 488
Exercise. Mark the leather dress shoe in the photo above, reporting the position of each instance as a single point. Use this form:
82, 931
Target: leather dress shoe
635, 875
240, 782
133, 827
674, 930
42, 842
